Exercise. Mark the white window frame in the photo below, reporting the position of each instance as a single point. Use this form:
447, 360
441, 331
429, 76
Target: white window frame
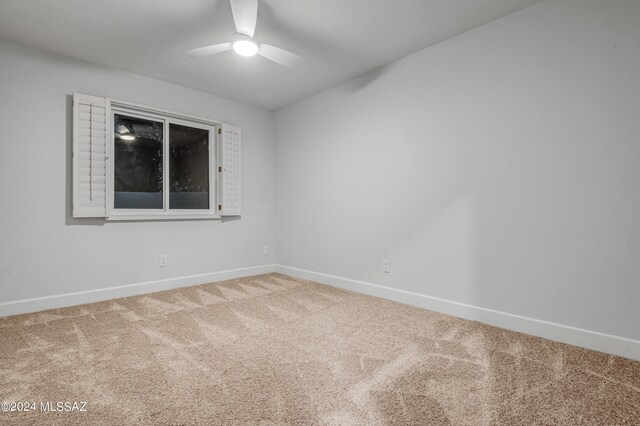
167, 118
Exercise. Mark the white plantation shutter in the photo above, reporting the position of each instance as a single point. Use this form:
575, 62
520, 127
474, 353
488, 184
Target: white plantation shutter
89, 155
230, 184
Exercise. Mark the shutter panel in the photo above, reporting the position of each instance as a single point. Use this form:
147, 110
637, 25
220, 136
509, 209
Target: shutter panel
89, 156
230, 185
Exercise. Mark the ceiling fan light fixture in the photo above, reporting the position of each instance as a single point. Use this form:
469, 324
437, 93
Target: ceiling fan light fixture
245, 13
244, 45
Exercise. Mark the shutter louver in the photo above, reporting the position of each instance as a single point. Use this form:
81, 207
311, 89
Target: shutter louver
230, 185
89, 156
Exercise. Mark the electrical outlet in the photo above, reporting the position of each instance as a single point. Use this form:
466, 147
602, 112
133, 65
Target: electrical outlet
265, 250
386, 266
164, 262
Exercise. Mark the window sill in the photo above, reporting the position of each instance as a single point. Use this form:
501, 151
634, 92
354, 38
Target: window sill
138, 217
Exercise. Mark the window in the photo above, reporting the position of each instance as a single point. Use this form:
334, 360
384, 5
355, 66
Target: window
188, 167
138, 163
162, 165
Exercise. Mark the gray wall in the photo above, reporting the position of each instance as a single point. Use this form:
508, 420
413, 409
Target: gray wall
43, 251
500, 168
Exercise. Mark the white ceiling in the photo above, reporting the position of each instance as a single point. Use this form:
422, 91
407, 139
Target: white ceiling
339, 38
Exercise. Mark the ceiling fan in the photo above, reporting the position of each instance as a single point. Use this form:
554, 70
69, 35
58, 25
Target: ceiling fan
245, 14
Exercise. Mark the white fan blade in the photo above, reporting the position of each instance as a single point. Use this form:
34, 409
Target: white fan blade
280, 56
209, 50
245, 14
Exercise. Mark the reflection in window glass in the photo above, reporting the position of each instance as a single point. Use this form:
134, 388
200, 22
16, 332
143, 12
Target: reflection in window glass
188, 167
137, 163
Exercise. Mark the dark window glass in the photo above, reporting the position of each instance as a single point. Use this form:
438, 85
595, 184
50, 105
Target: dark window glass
188, 167
137, 163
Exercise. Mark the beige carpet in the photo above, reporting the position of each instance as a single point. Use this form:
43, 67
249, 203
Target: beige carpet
276, 350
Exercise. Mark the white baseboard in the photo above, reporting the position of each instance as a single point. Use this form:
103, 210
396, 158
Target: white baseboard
594, 340
79, 298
